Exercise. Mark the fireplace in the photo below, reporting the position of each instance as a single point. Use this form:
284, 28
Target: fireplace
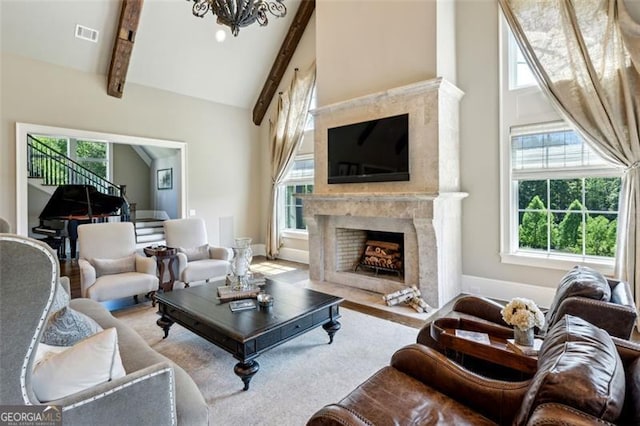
424, 211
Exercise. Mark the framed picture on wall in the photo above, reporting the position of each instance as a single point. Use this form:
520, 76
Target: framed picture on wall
165, 178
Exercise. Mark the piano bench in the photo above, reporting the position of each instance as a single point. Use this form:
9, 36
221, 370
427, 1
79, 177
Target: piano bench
58, 244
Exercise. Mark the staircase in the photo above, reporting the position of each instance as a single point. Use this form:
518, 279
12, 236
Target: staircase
150, 228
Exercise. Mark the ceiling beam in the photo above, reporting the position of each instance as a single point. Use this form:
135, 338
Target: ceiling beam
283, 58
123, 46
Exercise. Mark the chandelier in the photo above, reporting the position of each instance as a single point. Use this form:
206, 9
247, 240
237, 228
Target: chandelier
239, 13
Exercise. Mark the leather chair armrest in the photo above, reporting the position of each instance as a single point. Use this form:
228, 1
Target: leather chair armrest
617, 320
150, 390
87, 275
561, 415
621, 293
146, 265
495, 399
480, 307
336, 415
221, 253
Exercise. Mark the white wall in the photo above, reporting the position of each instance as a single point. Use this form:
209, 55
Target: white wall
478, 77
367, 46
223, 156
129, 169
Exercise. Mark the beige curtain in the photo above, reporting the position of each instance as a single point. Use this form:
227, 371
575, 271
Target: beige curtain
285, 135
586, 56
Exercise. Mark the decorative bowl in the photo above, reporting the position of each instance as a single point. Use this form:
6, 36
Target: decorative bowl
264, 299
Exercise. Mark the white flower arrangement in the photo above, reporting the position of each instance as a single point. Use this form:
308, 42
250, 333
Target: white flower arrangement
522, 313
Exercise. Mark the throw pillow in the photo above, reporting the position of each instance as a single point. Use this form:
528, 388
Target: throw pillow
196, 253
60, 300
578, 366
67, 327
114, 266
581, 281
90, 362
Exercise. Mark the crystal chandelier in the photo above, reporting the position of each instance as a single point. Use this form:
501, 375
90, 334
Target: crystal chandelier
239, 13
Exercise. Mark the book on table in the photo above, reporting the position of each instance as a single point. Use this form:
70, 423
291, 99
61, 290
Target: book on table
227, 293
525, 350
241, 305
474, 336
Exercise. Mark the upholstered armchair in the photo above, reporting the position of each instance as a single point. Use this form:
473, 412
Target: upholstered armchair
582, 292
4, 226
197, 260
110, 268
30, 290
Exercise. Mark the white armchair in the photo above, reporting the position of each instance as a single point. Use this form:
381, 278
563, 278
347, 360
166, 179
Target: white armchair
197, 260
110, 268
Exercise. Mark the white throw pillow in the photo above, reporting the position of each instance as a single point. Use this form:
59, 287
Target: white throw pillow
88, 363
196, 253
114, 266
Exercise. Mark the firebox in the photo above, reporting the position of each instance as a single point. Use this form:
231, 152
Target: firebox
383, 252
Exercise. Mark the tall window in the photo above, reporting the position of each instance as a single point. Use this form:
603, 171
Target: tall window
559, 197
299, 180
565, 196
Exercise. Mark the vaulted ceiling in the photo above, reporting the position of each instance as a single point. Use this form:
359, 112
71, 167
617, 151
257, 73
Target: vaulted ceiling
173, 49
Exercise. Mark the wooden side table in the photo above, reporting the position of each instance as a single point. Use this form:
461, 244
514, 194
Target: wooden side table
162, 254
497, 351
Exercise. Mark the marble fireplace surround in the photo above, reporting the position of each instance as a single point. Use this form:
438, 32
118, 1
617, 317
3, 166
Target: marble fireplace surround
426, 209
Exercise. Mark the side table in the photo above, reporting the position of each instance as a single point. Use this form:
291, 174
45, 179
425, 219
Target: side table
496, 350
162, 254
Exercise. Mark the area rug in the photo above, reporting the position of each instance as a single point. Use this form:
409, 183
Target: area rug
295, 379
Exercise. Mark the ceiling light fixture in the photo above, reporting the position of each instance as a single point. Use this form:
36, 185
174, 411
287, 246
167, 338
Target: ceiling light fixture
239, 13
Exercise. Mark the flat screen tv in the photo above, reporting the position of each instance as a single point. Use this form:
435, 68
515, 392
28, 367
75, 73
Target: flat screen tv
371, 151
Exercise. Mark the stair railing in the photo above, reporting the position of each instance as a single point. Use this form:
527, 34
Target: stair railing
55, 168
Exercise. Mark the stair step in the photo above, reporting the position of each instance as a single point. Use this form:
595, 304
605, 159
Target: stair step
150, 238
142, 244
147, 231
149, 224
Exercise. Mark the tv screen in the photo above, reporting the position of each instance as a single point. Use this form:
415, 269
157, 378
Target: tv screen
371, 151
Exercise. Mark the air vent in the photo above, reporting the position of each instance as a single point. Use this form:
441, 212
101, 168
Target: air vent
86, 33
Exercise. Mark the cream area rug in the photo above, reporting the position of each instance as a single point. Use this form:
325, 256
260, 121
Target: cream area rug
295, 379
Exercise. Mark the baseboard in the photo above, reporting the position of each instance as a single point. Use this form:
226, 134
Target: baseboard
506, 290
259, 249
294, 255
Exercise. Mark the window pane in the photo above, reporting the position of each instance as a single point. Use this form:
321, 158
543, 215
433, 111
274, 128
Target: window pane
533, 229
97, 167
88, 149
601, 194
601, 235
528, 190
551, 150
565, 193
568, 232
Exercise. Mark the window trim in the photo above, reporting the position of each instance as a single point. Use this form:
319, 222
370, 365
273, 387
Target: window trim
510, 252
301, 234
544, 122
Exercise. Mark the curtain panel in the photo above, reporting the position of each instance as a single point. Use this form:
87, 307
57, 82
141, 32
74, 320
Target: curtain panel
585, 55
285, 134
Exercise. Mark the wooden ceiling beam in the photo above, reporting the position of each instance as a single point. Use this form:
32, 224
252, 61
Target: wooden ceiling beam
123, 46
287, 49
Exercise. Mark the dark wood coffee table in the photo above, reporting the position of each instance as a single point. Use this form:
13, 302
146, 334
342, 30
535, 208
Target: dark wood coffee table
247, 334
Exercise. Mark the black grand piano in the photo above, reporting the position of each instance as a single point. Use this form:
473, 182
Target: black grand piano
72, 205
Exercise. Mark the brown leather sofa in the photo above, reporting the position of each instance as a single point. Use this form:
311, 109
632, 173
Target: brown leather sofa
584, 377
582, 292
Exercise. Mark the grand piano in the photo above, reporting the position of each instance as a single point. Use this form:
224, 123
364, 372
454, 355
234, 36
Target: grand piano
72, 205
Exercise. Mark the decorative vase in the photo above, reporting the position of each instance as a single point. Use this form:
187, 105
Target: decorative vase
523, 337
240, 264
